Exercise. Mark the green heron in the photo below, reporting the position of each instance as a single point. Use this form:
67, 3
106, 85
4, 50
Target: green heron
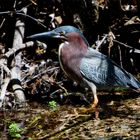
84, 64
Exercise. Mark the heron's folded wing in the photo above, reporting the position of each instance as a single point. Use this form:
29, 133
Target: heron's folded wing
97, 68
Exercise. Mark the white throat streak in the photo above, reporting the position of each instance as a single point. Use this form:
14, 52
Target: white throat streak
59, 55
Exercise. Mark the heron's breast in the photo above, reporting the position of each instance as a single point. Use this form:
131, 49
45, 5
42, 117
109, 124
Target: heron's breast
70, 59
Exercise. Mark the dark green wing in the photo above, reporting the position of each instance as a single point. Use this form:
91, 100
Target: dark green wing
102, 71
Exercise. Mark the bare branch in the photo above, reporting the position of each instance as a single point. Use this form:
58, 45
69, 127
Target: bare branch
15, 71
3, 91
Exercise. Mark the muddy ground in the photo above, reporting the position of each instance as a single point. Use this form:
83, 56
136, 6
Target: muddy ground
119, 118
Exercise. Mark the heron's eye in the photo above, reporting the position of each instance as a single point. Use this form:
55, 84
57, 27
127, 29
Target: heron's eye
62, 34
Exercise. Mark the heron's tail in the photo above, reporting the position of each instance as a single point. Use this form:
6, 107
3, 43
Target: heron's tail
134, 83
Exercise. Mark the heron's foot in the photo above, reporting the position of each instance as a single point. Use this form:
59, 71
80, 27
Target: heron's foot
95, 103
94, 107
90, 110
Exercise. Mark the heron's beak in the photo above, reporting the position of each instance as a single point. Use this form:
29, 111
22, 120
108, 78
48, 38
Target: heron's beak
46, 35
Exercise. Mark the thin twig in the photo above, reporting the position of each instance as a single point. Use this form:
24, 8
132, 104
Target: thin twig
128, 46
6, 12
101, 42
38, 75
36, 20
18, 12
2, 22
120, 54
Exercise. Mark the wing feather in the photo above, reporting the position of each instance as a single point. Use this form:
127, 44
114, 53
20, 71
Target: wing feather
102, 71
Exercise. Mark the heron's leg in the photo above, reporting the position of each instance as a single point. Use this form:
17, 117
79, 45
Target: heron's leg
94, 91
95, 102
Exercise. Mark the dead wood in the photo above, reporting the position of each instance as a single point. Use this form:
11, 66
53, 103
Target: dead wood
15, 71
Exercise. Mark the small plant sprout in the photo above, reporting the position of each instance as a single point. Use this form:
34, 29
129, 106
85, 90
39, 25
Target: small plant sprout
52, 105
14, 130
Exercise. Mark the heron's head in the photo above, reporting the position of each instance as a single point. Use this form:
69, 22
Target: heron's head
62, 33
